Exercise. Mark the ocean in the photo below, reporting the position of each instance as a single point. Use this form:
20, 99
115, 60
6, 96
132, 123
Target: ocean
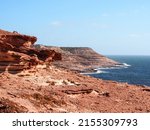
136, 70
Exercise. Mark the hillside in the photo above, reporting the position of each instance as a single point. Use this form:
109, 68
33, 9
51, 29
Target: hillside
81, 58
33, 79
59, 90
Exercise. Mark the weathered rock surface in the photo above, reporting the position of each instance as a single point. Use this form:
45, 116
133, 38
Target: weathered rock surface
81, 58
17, 53
59, 90
53, 89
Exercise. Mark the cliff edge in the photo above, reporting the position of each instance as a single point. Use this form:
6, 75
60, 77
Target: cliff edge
17, 53
40, 86
81, 59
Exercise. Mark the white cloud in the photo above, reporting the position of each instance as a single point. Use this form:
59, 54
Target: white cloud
56, 24
105, 15
122, 14
101, 26
134, 35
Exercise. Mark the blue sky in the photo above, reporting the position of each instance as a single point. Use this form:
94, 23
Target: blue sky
111, 27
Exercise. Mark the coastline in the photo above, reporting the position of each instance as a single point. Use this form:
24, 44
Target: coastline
61, 90
47, 80
102, 69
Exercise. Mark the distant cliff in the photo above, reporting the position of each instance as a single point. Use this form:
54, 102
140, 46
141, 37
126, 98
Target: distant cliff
37, 86
80, 58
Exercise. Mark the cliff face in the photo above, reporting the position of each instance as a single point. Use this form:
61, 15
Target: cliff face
17, 53
81, 59
53, 89
88, 58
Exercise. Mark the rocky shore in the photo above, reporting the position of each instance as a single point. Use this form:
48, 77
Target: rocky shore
81, 59
41, 79
59, 90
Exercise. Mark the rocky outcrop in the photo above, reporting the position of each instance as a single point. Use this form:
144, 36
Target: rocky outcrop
81, 58
17, 53
56, 89
59, 90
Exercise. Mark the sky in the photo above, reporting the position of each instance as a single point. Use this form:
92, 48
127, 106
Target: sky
111, 27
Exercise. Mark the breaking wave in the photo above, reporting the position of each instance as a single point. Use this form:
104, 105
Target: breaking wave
95, 72
127, 65
119, 66
104, 69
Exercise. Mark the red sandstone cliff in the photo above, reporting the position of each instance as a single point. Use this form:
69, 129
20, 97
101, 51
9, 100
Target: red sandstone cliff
17, 53
80, 58
51, 89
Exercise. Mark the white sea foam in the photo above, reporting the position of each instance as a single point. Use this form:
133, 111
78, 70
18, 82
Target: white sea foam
96, 72
101, 69
119, 66
125, 64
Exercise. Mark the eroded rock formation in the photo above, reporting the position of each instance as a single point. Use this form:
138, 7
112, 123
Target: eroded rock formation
82, 59
17, 53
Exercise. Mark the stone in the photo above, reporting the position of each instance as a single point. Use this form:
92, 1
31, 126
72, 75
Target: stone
17, 52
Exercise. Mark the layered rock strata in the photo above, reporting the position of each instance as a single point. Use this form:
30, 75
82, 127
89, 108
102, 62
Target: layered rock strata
59, 90
17, 53
82, 59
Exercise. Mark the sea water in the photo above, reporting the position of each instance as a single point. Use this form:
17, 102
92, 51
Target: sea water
135, 70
